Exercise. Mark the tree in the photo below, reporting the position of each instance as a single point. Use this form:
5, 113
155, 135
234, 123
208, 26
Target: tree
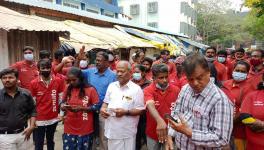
255, 25
254, 22
257, 5
217, 24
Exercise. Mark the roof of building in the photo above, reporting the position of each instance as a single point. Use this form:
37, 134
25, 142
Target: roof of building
196, 44
48, 5
15, 20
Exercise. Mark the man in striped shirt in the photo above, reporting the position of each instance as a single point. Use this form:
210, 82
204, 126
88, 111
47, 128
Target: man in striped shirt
205, 115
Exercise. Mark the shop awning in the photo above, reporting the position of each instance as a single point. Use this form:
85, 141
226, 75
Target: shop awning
193, 43
13, 20
107, 36
158, 40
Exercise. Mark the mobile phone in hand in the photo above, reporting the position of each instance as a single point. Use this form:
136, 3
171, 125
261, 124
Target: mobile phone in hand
168, 116
67, 106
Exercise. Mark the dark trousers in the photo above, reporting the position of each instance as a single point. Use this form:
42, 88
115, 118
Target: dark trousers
40, 132
141, 135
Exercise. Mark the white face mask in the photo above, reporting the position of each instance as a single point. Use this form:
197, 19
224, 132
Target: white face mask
110, 57
28, 57
221, 59
239, 76
83, 64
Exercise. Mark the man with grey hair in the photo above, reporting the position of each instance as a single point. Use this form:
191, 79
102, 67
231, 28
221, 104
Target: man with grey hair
123, 103
205, 114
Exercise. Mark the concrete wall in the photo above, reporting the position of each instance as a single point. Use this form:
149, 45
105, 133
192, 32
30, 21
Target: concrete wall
168, 17
4, 63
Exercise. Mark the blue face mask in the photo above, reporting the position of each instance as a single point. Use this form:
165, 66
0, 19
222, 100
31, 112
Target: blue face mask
29, 57
239, 76
221, 59
137, 76
162, 87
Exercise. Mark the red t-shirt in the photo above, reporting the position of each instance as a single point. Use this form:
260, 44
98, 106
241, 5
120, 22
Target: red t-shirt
171, 67
47, 97
26, 73
113, 66
237, 93
149, 76
221, 71
254, 104
255, 78
80, 123
163, 103
180, 82
54, 64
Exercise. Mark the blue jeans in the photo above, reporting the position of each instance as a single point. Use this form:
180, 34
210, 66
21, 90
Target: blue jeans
39, 135
77, 142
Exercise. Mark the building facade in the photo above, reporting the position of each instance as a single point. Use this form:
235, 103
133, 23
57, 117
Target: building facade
104, 7
176, 16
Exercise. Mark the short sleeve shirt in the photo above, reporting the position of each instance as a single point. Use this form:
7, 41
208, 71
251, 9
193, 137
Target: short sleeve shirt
15, 111
100, 81
164, 101
47, 97
237, 93
254, 104
80, 123
129, 96
26, 73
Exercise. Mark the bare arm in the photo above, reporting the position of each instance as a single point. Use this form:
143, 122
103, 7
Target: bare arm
161, 124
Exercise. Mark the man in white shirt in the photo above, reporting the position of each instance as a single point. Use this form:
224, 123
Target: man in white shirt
123, 103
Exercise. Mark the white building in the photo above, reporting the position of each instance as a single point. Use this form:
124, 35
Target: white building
176, 16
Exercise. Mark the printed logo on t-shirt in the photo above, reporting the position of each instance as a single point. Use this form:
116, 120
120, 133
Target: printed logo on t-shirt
23, 69
258, 103
40, 93
53, 98
85, 103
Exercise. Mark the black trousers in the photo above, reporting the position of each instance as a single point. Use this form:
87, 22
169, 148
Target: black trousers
141, 138
39, 134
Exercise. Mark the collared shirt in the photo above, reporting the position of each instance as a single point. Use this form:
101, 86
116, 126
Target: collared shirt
14, 112
209, 115
47, 99
237, 93
254, 105
255, 77
221, 71
26, 73
129, 96
163, 100
100, 81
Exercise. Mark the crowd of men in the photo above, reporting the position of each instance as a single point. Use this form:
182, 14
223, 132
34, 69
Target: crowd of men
199, 101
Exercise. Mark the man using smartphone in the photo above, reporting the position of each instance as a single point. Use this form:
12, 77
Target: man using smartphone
205, 112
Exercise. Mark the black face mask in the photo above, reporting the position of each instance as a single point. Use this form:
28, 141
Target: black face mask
261, 86
45, 74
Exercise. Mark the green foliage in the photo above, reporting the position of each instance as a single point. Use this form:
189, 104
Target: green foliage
218, 25
255, 25
257, 5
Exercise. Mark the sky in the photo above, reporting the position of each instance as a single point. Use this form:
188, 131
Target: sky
236, 4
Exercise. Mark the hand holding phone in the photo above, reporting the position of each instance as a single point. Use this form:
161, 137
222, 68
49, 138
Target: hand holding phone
168, 116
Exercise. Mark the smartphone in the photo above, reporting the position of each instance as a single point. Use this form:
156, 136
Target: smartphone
111, 112
168, 116
67, 106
